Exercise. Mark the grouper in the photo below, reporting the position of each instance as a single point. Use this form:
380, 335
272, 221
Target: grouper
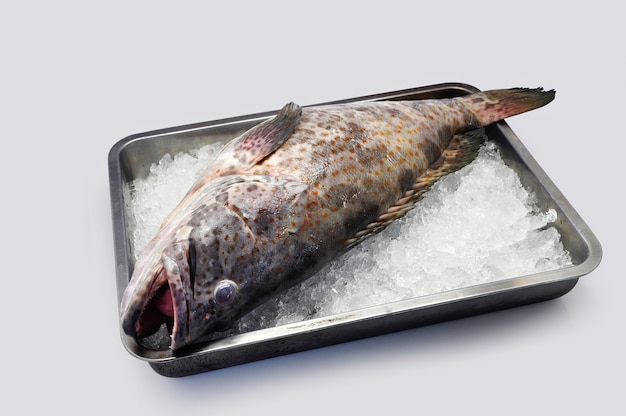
292, 193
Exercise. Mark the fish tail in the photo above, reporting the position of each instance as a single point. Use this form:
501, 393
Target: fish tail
491, 106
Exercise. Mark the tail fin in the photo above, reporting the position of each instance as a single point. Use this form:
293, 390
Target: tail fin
495, 105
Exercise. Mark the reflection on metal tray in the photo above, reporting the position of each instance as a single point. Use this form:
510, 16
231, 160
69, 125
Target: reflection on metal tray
131, 158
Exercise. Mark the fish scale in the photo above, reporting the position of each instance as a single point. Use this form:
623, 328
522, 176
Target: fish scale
292, 193
360, 163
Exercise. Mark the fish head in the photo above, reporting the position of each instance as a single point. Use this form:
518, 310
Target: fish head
208, 267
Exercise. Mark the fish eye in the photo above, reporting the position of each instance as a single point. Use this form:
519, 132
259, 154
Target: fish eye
225, 292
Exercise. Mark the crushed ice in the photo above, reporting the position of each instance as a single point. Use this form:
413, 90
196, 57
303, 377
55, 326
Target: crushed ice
474, 226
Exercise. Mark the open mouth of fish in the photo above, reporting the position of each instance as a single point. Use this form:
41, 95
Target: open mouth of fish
164, 296
159, 309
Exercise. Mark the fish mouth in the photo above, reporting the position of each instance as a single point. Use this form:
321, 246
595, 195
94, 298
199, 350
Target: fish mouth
160, 308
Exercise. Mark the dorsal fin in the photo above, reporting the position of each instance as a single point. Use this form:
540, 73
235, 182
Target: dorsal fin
257, 143
462, 150
252, 146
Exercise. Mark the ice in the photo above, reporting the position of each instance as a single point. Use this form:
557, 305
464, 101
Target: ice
474, 226
152, 198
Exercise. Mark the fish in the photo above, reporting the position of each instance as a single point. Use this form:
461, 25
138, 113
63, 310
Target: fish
291, 194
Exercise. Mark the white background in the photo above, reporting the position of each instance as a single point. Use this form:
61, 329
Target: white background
78, 77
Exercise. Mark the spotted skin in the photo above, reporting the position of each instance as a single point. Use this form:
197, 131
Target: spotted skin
357, 165
289, 195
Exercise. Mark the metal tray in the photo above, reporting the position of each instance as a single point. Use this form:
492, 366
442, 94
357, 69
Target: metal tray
131, 158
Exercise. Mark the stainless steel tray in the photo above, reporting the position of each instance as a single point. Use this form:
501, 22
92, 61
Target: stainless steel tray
131, 158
